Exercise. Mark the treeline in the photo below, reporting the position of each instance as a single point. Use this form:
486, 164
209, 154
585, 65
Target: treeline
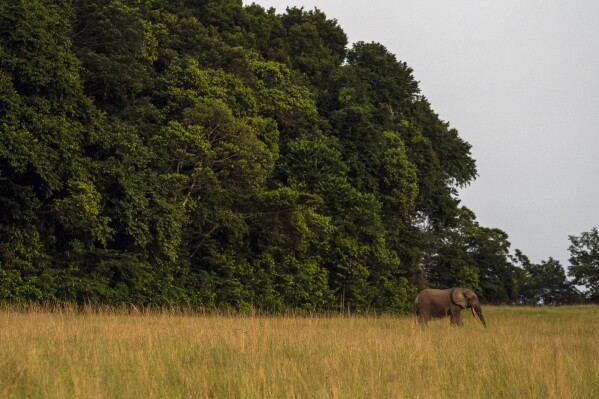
204, 153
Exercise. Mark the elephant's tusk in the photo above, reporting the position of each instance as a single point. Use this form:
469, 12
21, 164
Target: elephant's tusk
474, 313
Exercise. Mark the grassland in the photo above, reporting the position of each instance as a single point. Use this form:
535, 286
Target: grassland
525, 353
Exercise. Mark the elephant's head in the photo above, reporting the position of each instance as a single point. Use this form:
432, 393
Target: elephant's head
466, 298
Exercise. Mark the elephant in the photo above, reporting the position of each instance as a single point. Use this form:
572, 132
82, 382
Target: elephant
436, 304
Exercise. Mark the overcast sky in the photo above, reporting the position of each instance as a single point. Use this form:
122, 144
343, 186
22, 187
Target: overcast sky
519, 80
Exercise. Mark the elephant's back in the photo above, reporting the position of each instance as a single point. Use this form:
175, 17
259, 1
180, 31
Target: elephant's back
430, 295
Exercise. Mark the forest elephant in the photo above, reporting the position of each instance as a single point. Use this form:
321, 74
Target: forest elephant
436, 304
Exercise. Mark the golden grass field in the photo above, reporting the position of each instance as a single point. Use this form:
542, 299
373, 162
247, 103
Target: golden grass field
525, 353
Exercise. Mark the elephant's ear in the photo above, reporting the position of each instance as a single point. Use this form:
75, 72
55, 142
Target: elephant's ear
457, 297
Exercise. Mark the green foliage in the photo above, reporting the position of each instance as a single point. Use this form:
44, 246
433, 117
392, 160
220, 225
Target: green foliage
116, 47
209, 154
584, 260
545, 283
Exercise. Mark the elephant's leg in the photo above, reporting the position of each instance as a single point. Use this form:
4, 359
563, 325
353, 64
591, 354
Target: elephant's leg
456, 318
421, 315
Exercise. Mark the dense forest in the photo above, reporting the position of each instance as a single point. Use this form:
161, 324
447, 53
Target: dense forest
207, 153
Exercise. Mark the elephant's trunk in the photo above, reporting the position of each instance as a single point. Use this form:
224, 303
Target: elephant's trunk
478, 313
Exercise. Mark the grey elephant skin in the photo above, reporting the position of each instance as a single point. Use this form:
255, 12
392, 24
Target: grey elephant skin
436, 304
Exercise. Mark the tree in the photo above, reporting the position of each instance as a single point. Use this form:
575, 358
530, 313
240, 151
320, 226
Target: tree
447, 262
584, 262
498, 276
545, 283
207, 153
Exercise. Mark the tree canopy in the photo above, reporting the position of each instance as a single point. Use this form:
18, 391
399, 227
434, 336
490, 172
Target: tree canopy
204, 153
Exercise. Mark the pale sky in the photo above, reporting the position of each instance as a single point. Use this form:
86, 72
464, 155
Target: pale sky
519, 80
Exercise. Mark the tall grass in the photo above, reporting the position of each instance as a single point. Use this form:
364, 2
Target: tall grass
525, 353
